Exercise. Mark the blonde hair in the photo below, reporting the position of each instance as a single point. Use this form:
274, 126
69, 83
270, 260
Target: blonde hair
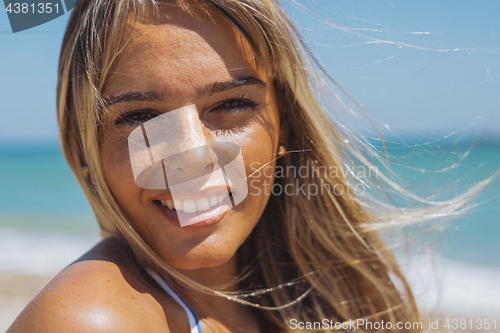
318, 257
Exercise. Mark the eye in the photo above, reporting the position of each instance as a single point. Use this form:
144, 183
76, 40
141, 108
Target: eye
136, 117
231, 115
235, 105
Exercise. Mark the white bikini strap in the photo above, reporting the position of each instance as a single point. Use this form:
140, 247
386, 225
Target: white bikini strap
194, 323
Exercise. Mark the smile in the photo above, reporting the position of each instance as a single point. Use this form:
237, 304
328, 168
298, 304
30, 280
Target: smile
194, 205
196, 213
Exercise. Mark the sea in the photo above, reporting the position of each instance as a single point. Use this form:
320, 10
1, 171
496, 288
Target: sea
46, 222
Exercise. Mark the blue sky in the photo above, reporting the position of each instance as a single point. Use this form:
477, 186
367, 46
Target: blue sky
424, 68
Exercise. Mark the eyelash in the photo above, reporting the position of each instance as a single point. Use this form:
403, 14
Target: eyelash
239, 104
126, 118
244, 104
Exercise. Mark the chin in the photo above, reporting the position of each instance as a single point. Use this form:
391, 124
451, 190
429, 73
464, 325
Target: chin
205, 256
199, 263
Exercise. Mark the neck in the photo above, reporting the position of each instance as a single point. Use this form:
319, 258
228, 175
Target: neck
215, 309
219, 278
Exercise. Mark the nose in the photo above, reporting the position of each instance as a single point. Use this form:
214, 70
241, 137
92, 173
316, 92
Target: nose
195, 161
178, 140
189, 152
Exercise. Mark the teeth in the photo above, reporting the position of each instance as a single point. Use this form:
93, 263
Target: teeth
213, 201
178, 204
202, 204
189, 206
194, 205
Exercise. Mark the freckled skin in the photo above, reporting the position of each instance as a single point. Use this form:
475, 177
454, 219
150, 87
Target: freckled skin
176, 60
176, 56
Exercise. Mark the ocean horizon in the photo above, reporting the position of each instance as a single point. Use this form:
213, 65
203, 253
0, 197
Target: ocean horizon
40, 194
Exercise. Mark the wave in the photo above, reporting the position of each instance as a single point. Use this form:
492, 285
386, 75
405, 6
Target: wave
439, 284
443, 285
43, 254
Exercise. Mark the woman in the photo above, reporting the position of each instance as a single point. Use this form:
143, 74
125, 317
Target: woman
224, 85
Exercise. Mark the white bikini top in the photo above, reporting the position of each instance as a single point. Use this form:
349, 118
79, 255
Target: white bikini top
194, 323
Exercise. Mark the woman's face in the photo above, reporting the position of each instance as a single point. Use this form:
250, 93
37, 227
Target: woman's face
190, 59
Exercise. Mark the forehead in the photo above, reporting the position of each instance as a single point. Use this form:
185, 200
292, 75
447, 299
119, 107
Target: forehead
182, 47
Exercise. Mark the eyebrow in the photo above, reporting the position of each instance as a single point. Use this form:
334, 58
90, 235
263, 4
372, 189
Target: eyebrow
135, 96
218, 87
208, 90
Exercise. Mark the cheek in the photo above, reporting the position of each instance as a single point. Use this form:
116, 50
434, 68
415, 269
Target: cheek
115, 151
117, 169
259, 153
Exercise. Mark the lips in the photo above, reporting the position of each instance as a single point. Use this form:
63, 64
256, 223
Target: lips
195, 209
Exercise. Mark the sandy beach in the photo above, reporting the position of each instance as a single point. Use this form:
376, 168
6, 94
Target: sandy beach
16, 291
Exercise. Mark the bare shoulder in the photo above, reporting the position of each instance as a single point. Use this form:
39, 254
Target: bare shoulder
101, 292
